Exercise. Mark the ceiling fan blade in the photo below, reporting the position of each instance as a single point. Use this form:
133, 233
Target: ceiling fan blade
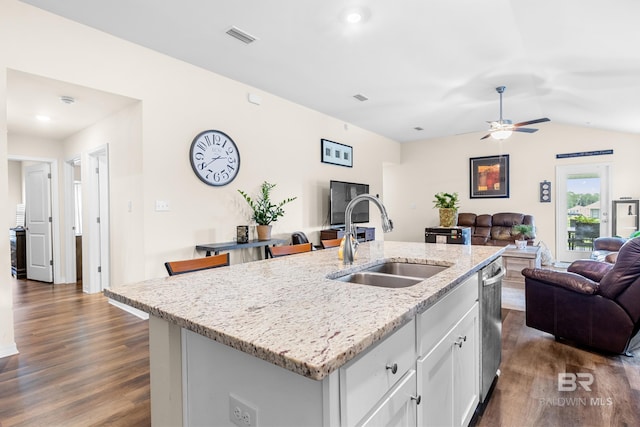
486, 136
530, 122
527, 130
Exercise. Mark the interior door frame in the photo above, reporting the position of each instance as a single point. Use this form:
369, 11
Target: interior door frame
97, 249
561, 209
69, 219
58, 276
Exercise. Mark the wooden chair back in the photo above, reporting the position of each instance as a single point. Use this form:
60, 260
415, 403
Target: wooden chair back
277, 251
189, 265
330, 243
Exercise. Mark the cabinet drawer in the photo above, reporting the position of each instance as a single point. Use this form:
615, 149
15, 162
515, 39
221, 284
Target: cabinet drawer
438, 319
366, 379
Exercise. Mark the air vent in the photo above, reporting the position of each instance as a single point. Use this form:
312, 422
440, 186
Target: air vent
360, 97
65, 99
418, 128
244, 37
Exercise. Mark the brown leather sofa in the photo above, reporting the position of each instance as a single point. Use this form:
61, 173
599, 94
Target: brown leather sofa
594, 304
496, 229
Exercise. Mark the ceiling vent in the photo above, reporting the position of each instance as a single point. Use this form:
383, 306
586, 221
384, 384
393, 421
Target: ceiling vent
67, 99
244, 37
418, 128
360, 97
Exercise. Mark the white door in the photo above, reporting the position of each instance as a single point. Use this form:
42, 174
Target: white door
582, 206
38, 222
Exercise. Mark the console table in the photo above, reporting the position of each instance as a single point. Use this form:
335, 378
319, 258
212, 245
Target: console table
363, 234
229, 246
515, 260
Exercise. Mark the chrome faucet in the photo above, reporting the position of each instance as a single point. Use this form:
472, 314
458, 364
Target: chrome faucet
387, 224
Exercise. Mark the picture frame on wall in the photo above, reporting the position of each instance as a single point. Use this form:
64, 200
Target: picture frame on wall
489, 177
336, 153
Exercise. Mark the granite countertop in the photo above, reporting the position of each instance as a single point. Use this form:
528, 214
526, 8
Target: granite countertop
288, 311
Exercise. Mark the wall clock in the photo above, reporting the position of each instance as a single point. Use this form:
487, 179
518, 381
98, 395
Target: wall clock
214, 157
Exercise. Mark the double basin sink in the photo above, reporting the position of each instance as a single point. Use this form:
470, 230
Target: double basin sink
393, 274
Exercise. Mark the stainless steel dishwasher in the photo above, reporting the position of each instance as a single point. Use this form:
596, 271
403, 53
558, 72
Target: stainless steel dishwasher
490, 325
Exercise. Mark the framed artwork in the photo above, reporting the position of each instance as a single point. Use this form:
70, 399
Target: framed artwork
336, 153
489, 177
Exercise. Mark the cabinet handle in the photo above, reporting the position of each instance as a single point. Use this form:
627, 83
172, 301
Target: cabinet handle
393, 368
417, 398
459, 343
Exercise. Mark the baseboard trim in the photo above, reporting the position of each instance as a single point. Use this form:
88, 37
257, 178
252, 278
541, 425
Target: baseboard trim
138, 313
8, 350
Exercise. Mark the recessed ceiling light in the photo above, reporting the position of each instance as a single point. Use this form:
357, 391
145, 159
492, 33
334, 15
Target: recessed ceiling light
354, 17
43, 118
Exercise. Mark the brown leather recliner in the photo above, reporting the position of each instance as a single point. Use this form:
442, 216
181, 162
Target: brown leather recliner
608, 247
595, 304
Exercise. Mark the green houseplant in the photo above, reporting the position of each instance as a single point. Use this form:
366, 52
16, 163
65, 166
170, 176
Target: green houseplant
522, 231
448, 204
264, 210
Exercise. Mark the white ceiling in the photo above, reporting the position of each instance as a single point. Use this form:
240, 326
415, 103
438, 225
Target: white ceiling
433, 64
29, 96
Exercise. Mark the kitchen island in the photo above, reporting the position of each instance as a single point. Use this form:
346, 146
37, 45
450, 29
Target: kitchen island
288, 316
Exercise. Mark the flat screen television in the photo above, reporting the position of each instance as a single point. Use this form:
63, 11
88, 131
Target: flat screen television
341, 194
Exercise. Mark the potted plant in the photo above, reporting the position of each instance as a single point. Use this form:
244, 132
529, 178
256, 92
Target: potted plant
264, 210
448, 204
522, 231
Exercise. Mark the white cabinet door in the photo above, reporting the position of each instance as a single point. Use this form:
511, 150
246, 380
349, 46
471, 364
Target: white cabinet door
466, 370
435, 384
448, 376
398, 408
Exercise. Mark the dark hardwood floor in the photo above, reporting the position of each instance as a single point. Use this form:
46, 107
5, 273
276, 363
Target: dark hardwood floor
83, 362
526, 394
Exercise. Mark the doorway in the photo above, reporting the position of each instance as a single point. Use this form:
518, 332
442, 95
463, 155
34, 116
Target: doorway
56, 250
97, 248
582, 213
73, 218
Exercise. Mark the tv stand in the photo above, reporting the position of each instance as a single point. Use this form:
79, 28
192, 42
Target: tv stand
363, 234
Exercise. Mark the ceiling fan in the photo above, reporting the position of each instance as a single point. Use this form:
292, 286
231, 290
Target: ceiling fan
502, 129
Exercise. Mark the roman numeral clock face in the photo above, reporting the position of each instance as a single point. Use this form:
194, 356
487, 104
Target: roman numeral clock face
214, 158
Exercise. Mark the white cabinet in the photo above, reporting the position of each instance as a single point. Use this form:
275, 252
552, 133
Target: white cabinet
373, 380
448, 376
398, 408
448, 369
425, 373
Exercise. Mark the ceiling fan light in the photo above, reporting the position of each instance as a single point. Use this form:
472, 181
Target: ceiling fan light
501, 134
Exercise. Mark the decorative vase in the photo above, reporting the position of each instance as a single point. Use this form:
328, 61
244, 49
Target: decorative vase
264, 232
521, 244
448, 217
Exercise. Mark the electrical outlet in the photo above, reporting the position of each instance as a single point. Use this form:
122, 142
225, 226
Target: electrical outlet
241, 413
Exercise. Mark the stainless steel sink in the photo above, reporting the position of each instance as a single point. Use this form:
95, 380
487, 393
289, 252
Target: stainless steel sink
380, 279
393, 274
405, 269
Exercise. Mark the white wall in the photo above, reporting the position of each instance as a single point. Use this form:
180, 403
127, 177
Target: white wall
428, 167
14, 173
279, 141
122, 134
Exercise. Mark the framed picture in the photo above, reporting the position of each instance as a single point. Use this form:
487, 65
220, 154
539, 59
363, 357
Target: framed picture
336, 153
489, 177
